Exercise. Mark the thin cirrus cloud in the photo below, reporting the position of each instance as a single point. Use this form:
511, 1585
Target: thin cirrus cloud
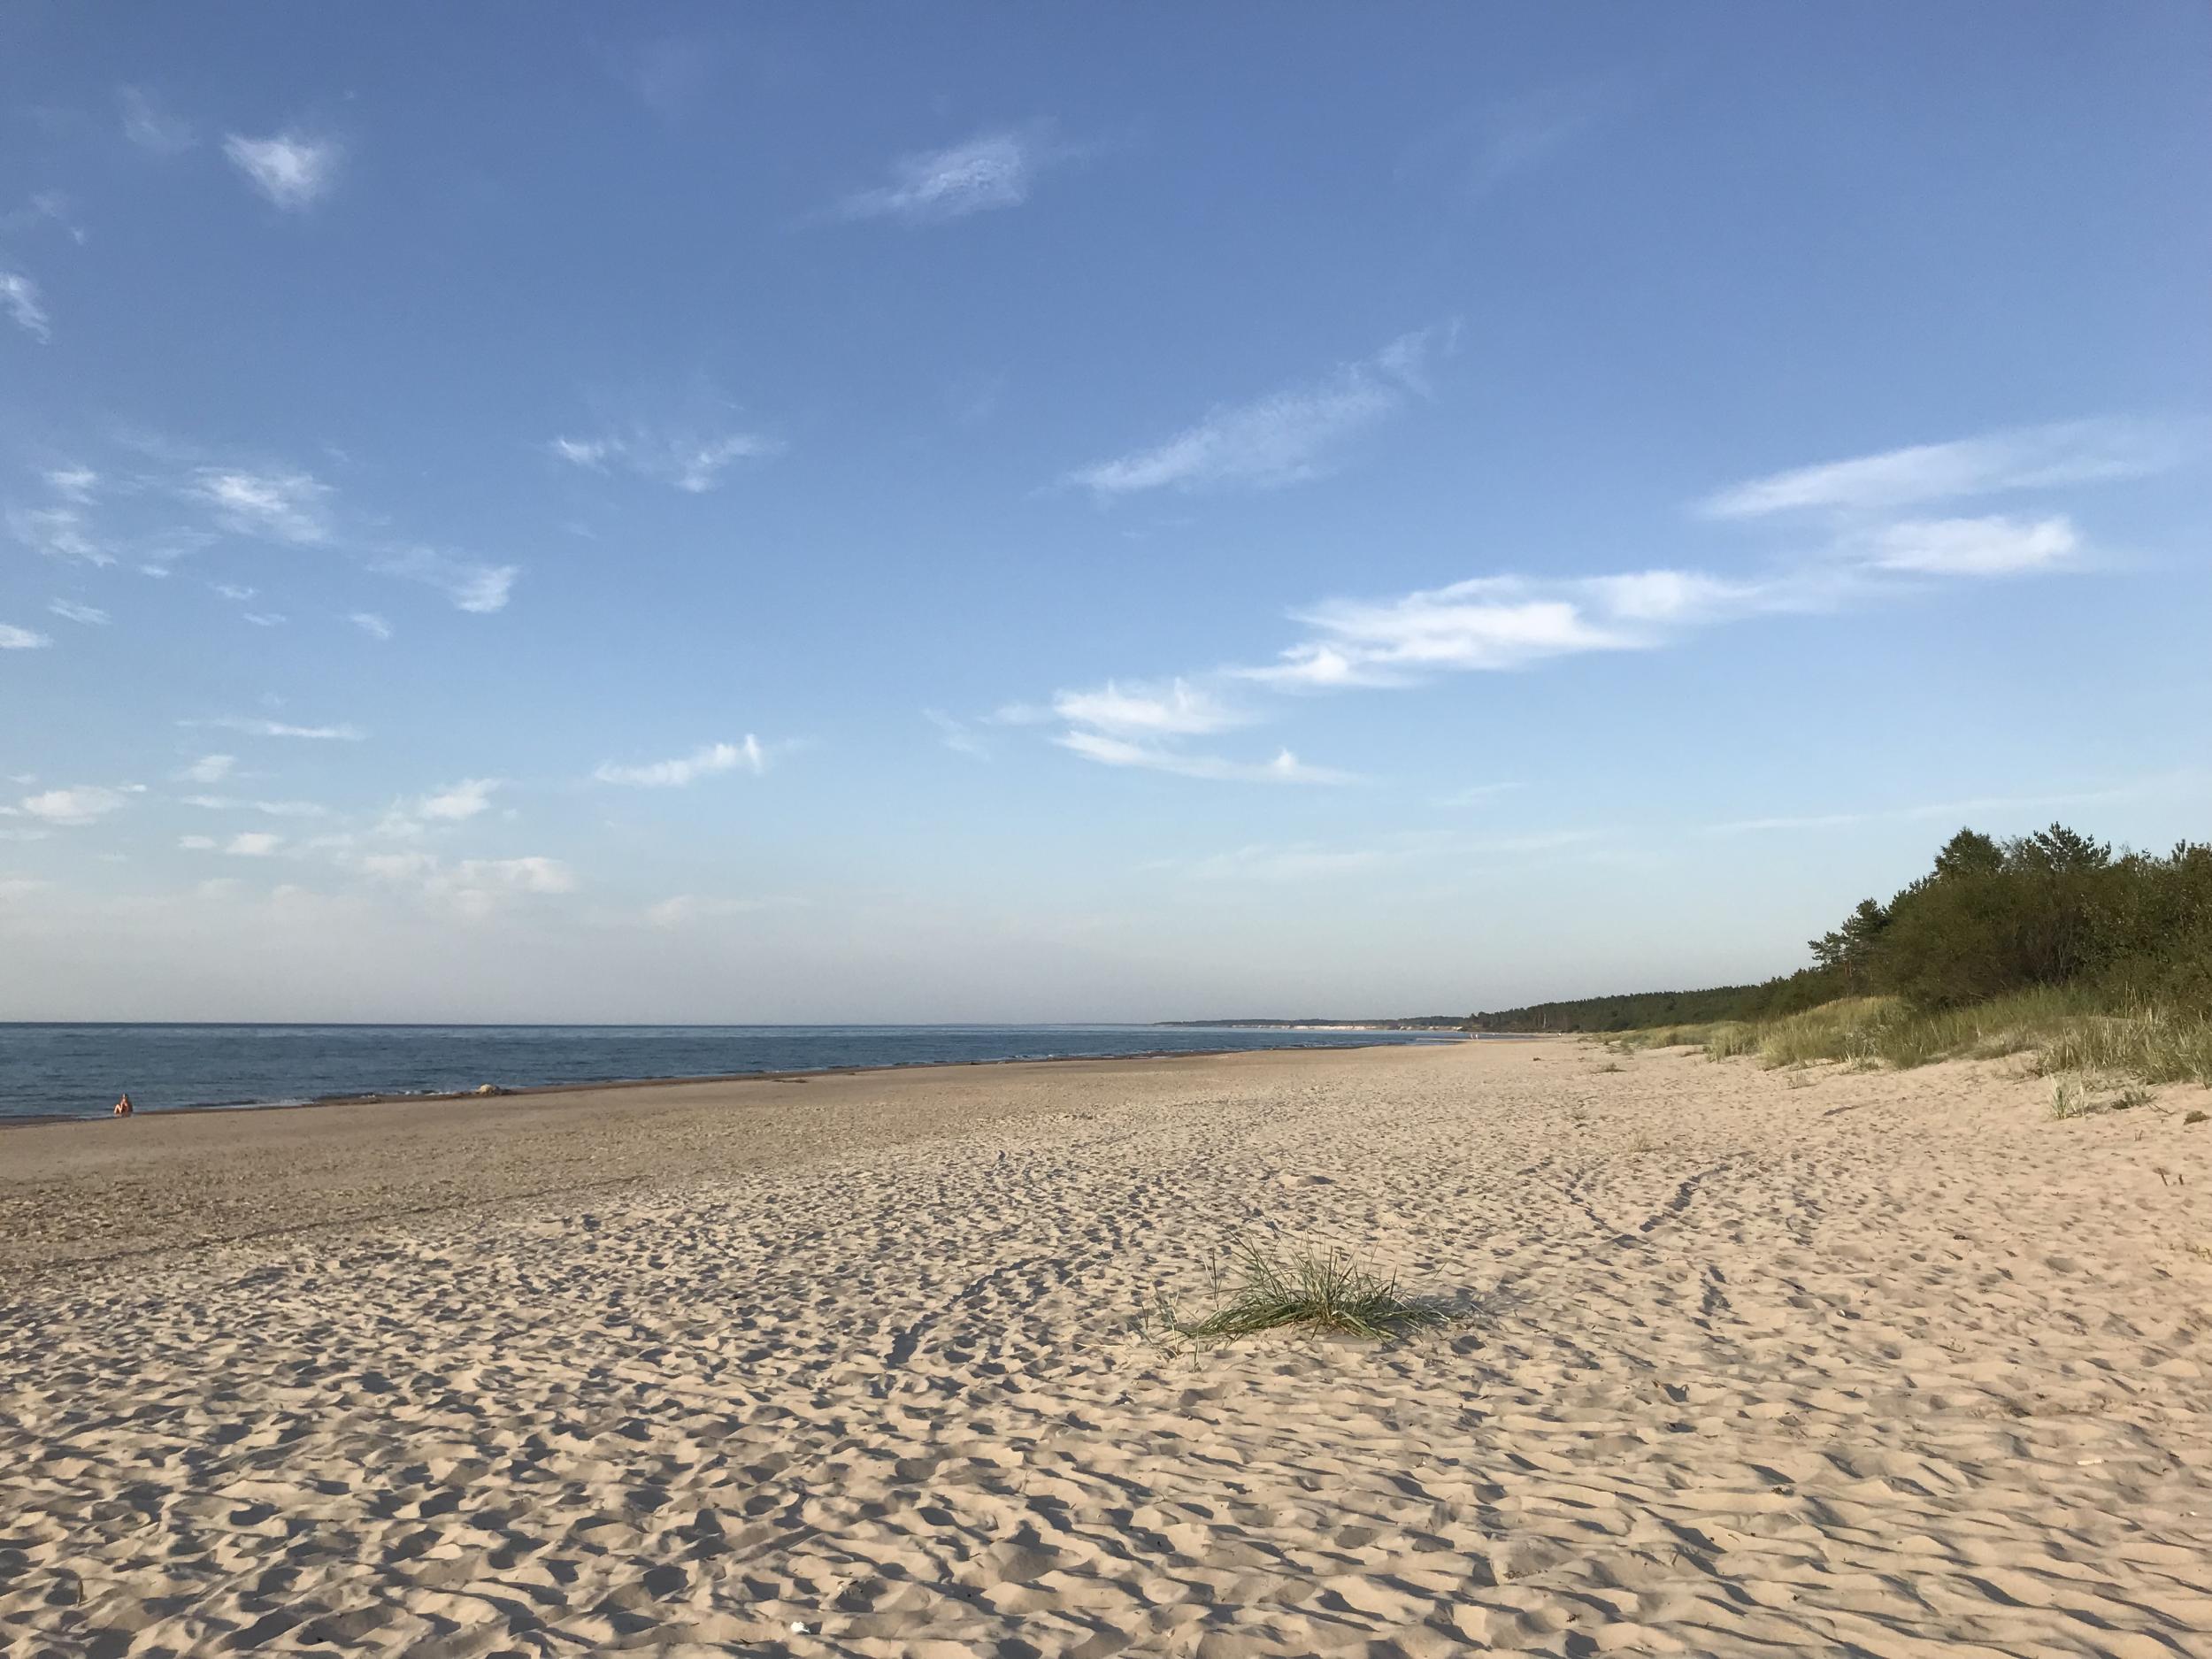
295, 508
1140, 725
1108, 750
58, 532
1972, 547
749, 756
20, 298
70, 610
151, 127
371, 624
294, 170
1177, 709
1486, 146
267, 808
15, 639
255, 727
1507, 622
287, 506
470, 584
693, 461
957, 735
1503, 623
2020, 459
987, 172
1284, 437
275, 506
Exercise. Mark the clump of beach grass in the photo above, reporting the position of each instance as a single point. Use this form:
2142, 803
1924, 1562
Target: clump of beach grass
1323, 1292
2071, 1099
2091, 1096
1729, 1039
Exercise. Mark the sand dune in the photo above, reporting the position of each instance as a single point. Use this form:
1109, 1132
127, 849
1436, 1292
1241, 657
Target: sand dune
1879, 1365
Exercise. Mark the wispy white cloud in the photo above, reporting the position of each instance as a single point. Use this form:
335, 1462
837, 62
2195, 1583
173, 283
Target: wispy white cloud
1502, 623
371, 624
71, 610
1519, 133
957, 735
1490, 622
1282, 438
15, 639
256, 727
56, 533
65, 528
151, 127
1115, 751
276, 506
209, 769
690, 461
79, 484
20, 298
749, 756
294, 170
196, 843
279, 504
1484, 146
456, 803
2025, 458
463, 801
1139, 726
1972, 547
471, 585
87, 803
1506, 622
267, 808
253, 844
1177, 709
45, 207
990, 171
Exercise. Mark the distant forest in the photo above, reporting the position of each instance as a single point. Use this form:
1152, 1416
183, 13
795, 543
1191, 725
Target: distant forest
2054, 909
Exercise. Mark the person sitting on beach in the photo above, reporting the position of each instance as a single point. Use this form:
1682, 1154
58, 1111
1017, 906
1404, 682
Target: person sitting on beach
123, 1107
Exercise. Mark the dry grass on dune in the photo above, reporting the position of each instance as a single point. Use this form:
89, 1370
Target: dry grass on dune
2070, 1036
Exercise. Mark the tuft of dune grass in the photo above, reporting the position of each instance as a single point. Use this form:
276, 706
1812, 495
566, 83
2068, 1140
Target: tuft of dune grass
1326, 1291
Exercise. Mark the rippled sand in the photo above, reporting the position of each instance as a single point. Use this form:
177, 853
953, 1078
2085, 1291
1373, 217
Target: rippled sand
1878, 1365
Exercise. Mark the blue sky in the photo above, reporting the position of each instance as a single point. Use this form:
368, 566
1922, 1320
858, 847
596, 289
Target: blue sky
782, 514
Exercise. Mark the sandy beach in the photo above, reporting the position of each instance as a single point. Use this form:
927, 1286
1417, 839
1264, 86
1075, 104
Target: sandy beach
1735, 1363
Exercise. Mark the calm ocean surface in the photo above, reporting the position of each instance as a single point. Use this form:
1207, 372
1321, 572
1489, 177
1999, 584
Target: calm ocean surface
77, 1071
